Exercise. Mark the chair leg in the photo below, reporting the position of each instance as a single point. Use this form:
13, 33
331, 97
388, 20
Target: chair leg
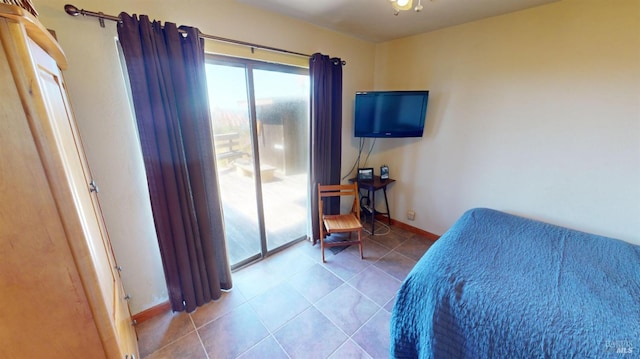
322, 235
322, 243
360, 244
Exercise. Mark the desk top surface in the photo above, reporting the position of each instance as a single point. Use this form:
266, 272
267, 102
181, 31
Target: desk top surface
375, 184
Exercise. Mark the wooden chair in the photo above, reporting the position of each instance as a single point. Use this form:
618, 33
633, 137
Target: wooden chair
339, 223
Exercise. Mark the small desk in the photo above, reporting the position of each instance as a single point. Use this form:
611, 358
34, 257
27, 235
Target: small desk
372, 187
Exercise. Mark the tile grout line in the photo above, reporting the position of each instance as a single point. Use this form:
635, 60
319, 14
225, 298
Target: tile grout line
269, 331
262, 340
311, 305
199, 338
349, 337
362, 326
170, 343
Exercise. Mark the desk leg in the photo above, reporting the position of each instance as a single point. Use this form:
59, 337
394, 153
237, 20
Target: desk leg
373, 211
384, 190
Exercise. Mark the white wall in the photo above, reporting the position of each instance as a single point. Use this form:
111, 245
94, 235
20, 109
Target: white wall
535, 113
104, 117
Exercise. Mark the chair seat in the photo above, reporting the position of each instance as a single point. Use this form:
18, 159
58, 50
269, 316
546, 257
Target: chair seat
341, 223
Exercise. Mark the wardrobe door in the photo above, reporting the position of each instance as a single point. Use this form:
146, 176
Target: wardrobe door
44, 312
91, 244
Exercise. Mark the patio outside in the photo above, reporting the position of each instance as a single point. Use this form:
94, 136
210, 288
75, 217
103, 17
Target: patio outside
285, 211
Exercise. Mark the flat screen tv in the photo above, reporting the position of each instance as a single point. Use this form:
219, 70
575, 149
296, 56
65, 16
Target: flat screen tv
390, 113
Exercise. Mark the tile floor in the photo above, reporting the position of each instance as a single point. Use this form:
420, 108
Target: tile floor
292, 306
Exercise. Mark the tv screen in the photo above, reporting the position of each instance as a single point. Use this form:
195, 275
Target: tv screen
390, 113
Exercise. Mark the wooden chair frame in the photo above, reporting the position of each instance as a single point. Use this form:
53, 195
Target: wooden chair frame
340, 223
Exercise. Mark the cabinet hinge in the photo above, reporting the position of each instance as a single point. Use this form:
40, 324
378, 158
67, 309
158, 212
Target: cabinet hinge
93, 187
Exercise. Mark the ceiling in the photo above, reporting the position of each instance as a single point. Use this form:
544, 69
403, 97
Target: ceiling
373, 20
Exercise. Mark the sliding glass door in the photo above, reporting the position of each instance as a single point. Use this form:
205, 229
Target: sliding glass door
260, 117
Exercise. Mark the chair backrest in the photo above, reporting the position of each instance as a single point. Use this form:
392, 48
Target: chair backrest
338, 191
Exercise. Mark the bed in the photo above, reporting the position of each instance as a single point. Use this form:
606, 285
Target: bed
497, 285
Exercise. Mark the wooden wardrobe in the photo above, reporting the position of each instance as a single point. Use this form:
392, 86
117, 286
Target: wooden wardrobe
60, 289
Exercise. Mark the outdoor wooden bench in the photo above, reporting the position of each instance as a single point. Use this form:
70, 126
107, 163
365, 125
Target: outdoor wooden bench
245, 168
226, 144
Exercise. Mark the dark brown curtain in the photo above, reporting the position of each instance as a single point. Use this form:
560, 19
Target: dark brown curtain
326, 131
168, 86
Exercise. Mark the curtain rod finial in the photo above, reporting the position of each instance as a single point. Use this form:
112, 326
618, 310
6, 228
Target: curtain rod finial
71, 10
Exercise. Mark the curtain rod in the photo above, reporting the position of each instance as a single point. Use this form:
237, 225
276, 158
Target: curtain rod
74, 11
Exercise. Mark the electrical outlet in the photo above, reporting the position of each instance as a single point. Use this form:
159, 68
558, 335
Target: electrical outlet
411, 215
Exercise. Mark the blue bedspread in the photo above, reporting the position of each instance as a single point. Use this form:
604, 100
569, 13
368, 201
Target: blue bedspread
500, 286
